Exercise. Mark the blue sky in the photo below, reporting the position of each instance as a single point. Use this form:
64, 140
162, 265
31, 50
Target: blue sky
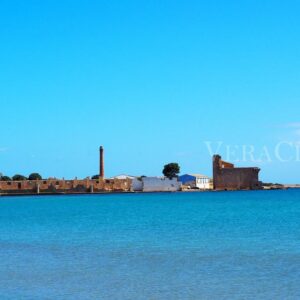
152, 81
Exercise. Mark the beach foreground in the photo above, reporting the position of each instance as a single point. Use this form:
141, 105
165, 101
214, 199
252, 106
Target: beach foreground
239, 245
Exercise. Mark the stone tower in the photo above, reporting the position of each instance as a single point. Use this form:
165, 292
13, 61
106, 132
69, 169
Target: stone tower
227, 177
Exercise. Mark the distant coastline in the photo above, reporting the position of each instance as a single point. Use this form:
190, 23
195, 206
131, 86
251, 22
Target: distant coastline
226, 177
110, 192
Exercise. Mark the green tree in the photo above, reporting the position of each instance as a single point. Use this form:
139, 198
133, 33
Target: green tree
5, 178
35, 176
171, 170
95, 177
19, 177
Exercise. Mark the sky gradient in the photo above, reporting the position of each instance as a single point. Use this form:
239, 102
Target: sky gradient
151, 81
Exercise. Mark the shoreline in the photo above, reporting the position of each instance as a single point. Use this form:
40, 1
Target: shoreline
133, 192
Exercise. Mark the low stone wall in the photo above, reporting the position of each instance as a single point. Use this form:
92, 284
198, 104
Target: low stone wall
53, 186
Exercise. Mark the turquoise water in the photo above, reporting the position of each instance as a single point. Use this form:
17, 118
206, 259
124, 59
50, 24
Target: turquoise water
223, 245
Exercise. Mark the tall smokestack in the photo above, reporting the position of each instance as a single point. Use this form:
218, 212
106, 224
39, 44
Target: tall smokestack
101, 171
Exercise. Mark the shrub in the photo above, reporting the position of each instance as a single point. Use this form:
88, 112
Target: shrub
5, 178
35, 176
19, 177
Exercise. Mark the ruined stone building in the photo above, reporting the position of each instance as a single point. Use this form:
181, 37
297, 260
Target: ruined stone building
61, 186
227, 177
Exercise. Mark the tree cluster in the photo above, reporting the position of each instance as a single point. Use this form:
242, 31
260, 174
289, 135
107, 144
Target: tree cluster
19, 177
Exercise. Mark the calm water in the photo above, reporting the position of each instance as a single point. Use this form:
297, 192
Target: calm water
231, 245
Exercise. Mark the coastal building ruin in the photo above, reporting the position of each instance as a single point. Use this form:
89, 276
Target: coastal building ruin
61, 186
227, 177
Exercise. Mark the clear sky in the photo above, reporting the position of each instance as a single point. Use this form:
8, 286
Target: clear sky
151, 81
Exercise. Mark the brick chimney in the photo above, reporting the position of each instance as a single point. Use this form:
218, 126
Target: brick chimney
101, 171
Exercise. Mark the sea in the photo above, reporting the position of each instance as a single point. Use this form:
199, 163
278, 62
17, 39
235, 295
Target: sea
193, 245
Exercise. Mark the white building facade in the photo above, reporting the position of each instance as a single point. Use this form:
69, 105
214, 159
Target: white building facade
198, 181
155, 184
